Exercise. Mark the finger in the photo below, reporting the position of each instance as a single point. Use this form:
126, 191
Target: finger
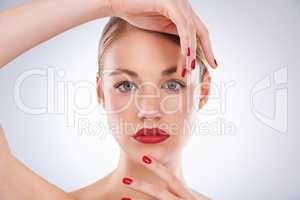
205, 42
190, 36
179, 19
191, 53
154, 191
189, 49
174, 184
193, 35
192, 47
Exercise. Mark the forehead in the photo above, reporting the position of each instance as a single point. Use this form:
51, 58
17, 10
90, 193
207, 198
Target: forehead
145, 52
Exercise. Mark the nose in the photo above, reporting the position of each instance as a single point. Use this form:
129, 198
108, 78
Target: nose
149, 115
148, 105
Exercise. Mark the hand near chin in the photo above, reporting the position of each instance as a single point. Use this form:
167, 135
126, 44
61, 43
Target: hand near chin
169, 16
176, 190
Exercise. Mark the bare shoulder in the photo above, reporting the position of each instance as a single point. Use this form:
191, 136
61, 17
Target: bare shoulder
92, 191
199, 195
87, 192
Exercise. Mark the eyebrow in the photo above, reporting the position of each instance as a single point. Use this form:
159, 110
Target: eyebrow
166, 72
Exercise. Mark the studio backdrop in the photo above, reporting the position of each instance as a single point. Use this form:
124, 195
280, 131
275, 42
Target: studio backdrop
246, 141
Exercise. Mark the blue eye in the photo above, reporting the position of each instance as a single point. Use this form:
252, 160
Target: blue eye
125, 86
173, 85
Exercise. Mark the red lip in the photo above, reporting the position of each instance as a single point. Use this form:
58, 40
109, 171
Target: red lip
151, 135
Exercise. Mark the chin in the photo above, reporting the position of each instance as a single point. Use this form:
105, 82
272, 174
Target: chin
162, 152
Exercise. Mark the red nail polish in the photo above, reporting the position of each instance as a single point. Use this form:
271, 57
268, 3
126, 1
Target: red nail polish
188, 52
127, 181
193, 65
215, 62
147, 160
183, 72
125, 198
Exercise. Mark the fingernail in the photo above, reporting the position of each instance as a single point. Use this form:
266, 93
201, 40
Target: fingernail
147, 160
188, 52
183, 72
215, 62
193, 65
127, 181
125, 198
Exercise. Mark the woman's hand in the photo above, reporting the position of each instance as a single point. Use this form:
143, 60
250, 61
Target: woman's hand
36, 23
176, 190
169, 16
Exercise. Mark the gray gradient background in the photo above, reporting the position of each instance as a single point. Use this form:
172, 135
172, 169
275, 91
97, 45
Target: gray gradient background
251, 39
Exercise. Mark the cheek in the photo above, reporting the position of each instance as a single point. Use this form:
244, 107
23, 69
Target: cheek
120, 111
116, 103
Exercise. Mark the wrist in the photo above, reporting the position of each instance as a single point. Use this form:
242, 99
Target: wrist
104, 8
108, 7
91, 9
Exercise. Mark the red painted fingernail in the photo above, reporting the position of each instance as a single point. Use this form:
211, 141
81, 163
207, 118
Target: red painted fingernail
147, 160
216, 62
209, 78
188, 52
183, 72
127, 181
193, 65
125, 198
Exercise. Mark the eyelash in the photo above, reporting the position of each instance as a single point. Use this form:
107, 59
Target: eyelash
117, 85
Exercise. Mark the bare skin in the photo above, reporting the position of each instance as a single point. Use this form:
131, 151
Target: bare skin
36, 24
155, 53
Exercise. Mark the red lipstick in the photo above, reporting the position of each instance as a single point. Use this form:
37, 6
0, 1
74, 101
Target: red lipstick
150, 135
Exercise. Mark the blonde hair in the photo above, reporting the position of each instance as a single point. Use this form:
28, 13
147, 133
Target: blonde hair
116, 26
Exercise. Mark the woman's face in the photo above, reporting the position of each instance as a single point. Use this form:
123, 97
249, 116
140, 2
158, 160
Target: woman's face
141, 87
